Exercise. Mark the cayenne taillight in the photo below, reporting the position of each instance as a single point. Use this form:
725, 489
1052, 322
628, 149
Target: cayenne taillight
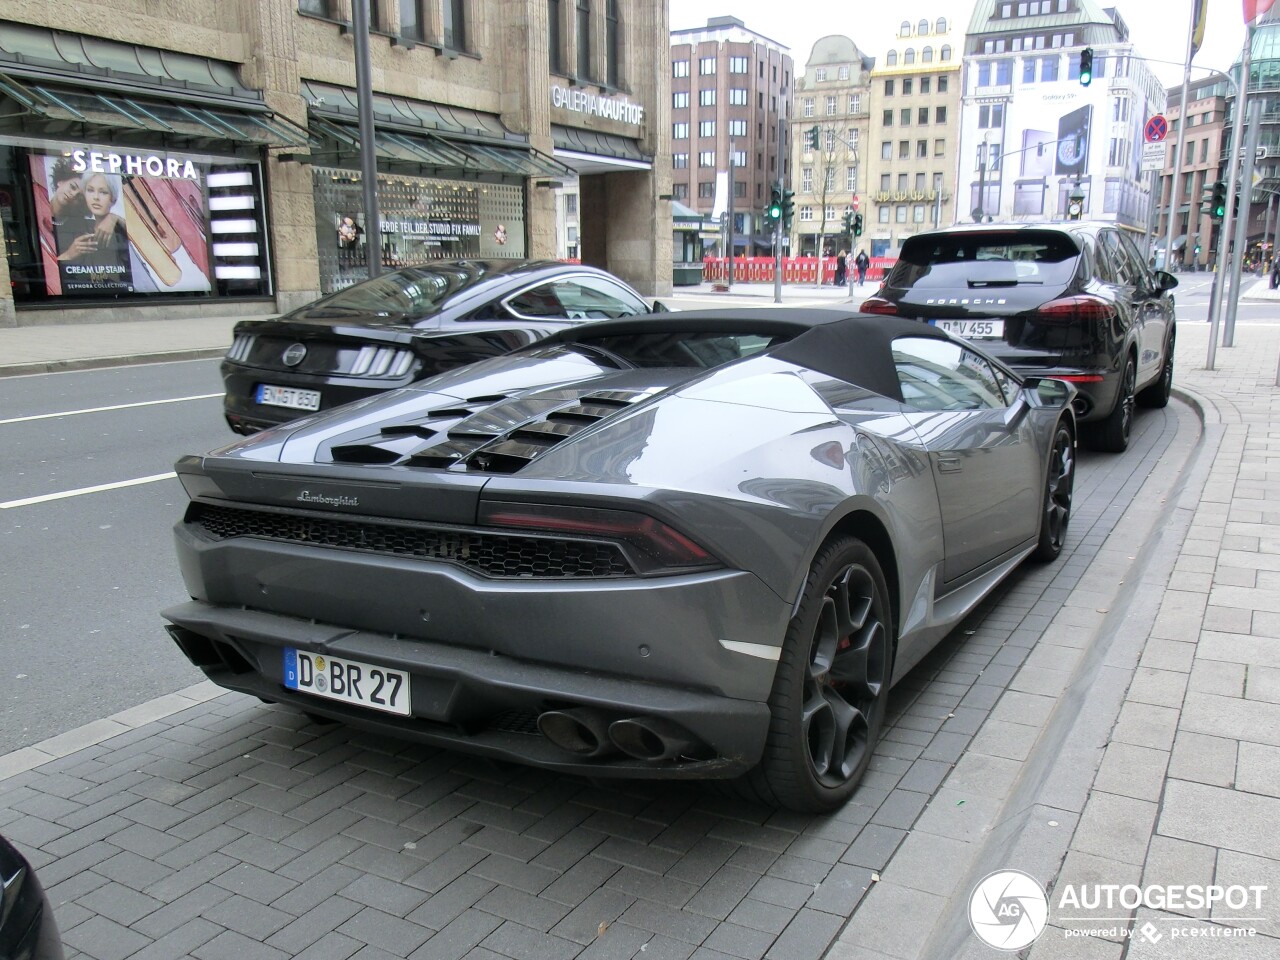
878, 305
1071, 309
655, 545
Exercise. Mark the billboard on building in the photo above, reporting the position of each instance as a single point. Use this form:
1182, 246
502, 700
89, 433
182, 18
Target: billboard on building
111, 223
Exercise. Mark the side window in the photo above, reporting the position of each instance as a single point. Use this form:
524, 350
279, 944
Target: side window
1140, 265
940, 375
1125, 271
577, 298
1106, 272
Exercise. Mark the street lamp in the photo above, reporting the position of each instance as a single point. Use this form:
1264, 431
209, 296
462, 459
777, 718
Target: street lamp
1075, 202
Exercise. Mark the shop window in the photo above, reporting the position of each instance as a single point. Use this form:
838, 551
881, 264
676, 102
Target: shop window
455, 25
97, 224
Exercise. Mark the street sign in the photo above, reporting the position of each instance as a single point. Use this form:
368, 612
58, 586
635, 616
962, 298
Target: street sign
1157, 129
1153, 155
855, 201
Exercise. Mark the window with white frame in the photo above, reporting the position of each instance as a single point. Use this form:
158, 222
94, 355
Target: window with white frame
737, 64
851, 178
806, 179
706, 128
886, 147
831, 106
737, 128
829, 181
830, 212
707, 158
707, 98
830, 141
806, 108
679, 131
737, 96
680, 101
679, 68
855, 102
707, 66
806, 214
843, 73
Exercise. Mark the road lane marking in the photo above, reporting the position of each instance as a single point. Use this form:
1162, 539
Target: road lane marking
118, 406
44, 498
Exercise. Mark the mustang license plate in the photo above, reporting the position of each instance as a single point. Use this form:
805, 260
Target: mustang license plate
350, 681
291, 397
972, 329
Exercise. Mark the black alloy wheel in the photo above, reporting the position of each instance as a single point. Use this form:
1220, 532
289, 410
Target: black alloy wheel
1156, 396
832, 685
1112, 434
1060, 481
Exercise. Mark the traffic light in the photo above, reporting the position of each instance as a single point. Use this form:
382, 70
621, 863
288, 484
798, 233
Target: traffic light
788, 207
1086, 66
811, 138
848, 222
774, 210
1218, 202
857, 224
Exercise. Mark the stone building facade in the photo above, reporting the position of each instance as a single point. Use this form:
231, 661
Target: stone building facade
915, 91
194, 158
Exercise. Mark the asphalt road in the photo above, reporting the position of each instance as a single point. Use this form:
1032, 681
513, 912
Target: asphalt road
86, 572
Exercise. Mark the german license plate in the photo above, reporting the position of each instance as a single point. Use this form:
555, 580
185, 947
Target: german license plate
291, 397
972, 329
349, 681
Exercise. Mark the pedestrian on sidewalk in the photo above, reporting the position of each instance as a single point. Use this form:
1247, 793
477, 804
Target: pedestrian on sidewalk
1275, 273
842, 269
862, 262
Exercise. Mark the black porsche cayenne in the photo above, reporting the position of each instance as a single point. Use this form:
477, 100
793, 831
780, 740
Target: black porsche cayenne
1074, 301
404, 326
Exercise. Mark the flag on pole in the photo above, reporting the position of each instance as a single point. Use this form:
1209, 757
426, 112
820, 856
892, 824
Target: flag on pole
1253, 9
1199, 15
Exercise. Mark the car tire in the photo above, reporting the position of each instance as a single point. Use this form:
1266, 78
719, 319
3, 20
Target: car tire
1112, 434
1060, 480
1156, 396
832, 684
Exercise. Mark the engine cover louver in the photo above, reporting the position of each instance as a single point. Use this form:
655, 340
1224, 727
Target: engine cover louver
502, 437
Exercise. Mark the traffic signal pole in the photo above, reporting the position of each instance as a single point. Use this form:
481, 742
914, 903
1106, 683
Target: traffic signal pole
777, 224
1246, 190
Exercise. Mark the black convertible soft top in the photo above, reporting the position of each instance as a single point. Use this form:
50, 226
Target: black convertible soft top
853, 347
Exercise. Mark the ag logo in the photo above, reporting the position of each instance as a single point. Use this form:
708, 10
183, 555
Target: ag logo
1008, 910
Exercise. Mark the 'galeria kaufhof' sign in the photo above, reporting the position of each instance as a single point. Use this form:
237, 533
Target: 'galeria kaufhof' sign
597, 105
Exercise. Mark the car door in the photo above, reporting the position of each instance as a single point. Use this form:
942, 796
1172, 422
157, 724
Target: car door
1157, 315
984, 459
576, 297
1141, 300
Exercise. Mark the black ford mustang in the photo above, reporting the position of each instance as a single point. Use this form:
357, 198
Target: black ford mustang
404, 326
1074, 301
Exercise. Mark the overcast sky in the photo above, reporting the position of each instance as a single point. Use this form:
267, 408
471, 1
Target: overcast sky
1158, 28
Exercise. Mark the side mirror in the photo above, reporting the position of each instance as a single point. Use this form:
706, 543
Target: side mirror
1165, 281
1047, 392
660, 307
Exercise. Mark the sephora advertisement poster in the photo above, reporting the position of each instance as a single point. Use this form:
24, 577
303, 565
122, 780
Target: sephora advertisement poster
120, 223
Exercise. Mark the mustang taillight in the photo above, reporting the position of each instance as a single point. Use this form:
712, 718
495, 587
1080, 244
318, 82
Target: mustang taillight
1069, 309
878, 305
655, 543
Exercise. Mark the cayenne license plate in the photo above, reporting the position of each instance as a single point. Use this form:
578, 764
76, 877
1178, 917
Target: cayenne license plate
972, 329
291, 397
349, 681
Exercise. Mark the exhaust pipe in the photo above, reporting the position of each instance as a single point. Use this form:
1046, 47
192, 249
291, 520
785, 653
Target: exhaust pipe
577, 730
650, 738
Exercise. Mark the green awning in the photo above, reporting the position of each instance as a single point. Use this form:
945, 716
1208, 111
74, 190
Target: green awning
427, 149
191, 122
